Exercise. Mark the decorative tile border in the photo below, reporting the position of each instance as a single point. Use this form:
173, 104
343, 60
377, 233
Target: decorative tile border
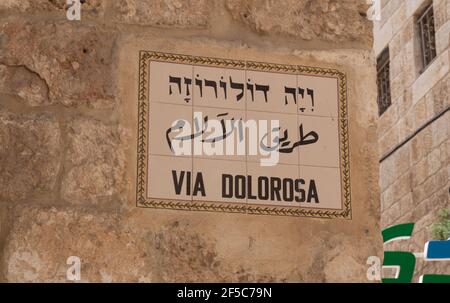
142, 143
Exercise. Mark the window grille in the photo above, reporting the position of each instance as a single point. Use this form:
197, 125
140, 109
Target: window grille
384, 89
425, 24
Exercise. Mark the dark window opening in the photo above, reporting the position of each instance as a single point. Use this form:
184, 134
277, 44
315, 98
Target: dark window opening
384, 89
425, 24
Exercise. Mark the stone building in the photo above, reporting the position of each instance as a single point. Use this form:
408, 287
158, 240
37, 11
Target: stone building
68, 133
411, 42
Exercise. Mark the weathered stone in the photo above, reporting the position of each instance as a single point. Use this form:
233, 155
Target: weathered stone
94, 162
340, 21
421, 145
382, 37
174, 13
391, 215
396, 66
420, 172
387, 198
74, 60
440, 95
440, 130
440, 16
389, 9
396, 48
434, 161
404, 103
115, 248
436, 71
41, 240
406, 204
402, 186
402, 159
410, 66
88, 7
30, 155
388, 119
405, 126
387, 169
396, 86
420, 113
20, 81
398, 17
388, 140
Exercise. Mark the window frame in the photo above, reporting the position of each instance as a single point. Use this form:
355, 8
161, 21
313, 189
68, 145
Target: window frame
426, 36
383, 81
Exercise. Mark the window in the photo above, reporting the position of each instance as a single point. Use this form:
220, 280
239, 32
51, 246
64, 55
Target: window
425, 24
384, 89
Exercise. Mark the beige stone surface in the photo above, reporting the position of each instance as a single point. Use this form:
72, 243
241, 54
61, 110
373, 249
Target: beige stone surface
75, 61
173, 13
68, 122
24, 83
91, 8
341, 20
173, 247
30, 155
41, 240
94, 162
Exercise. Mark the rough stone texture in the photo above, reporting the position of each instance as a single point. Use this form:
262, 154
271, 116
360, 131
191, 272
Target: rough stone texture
88, 7
41, 240
21, 82
415, 179
173, 13
338, 21
75, 61
30, 148
115, 247
70, 89
95, 162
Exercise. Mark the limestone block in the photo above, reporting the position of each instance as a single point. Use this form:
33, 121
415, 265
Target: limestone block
395, 48
30, 155
402, 159
406, 126
387, 198
74, 60
388, 140
388, 119
440, 95
440, 129
404, 103
402, 186
90, 8
20, 81
341, 21
41, 240
387, 170
94, 162
442, 37
420, 172
433, 74
129, 247
382, 38
173, 13
440, 14
421, 145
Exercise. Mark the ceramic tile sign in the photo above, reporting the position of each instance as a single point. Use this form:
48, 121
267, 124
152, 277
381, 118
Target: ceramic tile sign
241, 136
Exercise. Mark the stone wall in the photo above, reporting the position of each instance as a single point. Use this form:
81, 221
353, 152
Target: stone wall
415, 179
68, 93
